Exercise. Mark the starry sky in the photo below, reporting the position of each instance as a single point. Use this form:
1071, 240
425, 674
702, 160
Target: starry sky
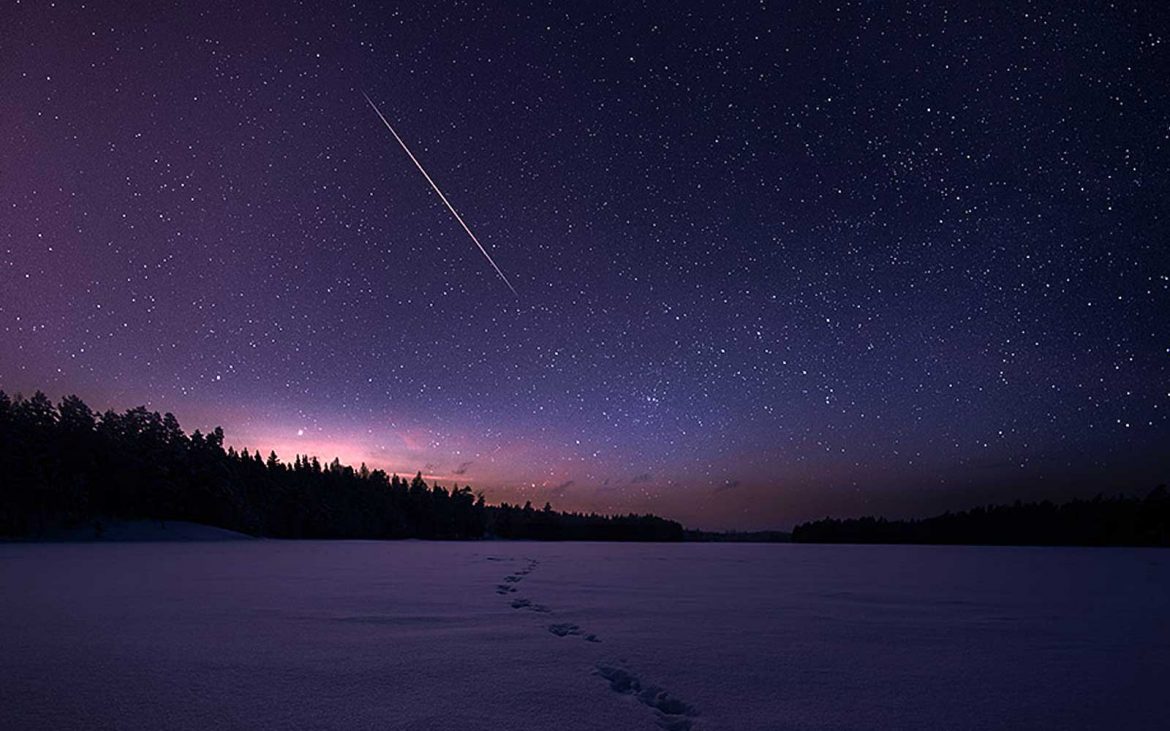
772, 260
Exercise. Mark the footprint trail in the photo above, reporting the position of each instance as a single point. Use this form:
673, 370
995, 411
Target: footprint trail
671, 713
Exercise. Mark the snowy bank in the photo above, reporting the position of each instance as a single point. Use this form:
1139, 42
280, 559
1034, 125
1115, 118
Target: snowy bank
139, 531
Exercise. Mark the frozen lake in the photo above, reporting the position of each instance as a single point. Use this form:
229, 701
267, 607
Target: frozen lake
495, 635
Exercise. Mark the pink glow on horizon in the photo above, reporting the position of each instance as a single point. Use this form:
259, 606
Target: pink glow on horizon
446, 458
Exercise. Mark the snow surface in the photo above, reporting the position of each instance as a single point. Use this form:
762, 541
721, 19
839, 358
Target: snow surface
518, 635
142, 530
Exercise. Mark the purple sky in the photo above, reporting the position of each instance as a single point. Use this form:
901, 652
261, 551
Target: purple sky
771, 262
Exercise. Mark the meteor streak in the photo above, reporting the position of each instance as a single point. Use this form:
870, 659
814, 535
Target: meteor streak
441, 196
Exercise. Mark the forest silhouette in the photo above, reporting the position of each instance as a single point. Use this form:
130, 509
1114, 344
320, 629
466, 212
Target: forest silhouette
64, 465
1114, 521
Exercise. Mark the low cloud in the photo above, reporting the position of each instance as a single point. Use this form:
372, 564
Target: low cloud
639, 479
727, 485
462, 468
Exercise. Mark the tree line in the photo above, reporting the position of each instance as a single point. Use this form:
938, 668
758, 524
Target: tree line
1116, 521
65, 465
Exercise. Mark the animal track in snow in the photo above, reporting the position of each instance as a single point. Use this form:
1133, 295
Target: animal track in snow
515, 577
564, 629
509, 586
673, 713
521, 603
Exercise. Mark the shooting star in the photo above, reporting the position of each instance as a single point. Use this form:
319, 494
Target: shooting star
442, 197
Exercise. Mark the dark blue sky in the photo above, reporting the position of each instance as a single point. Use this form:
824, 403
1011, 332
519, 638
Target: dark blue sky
772, 262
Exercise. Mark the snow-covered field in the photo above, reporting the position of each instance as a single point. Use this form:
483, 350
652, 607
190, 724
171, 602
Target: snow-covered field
493, 635
141, 530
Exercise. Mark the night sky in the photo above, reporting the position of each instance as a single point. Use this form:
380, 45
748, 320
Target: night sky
772, 261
